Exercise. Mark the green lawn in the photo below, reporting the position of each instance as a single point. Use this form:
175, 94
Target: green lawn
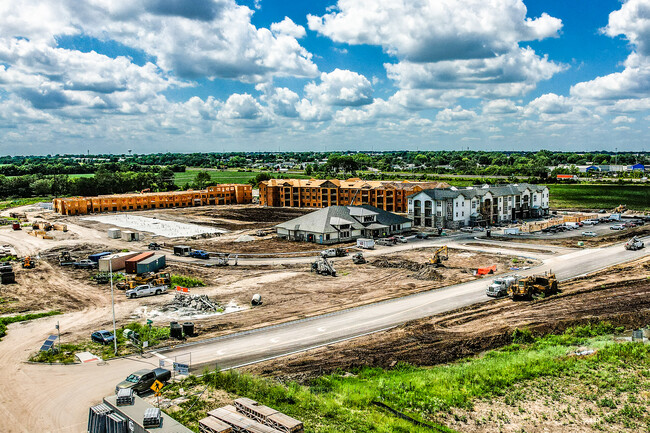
218, 176
74, 176
599, 196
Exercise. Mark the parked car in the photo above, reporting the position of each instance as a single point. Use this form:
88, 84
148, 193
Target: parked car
85, 264
103, 337
422, 235
629, 224
466, 229
617, 227
592, 234
199, 254
145, 290
154, 246
141, 380
401, 239
478, 229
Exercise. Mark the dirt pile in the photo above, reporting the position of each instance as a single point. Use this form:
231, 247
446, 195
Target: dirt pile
385, 262
427, 273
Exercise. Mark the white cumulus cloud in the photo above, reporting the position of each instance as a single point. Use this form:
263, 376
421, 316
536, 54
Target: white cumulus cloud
341, 87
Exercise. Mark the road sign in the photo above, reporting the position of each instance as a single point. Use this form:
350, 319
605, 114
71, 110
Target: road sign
157, 386
181, 368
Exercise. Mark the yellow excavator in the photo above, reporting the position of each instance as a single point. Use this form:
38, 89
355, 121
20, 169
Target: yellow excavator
438, 256
620, 208
528, 287
132, 281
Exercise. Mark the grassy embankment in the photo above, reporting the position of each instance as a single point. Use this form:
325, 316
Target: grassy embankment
615, 379
154, 335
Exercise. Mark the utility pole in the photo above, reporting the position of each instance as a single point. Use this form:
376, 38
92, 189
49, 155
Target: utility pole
58, 328
110, 266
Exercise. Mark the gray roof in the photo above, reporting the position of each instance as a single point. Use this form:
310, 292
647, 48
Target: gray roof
320, 221
497, 191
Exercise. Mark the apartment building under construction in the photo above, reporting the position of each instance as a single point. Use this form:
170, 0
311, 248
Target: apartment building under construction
386, 195
213, 195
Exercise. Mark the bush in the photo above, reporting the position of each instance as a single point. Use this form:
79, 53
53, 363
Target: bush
185, 281
522, 336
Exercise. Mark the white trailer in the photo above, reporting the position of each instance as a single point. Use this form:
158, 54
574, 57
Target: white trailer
365, 243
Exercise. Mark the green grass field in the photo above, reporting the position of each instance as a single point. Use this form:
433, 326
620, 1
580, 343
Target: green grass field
599, 196
180, 179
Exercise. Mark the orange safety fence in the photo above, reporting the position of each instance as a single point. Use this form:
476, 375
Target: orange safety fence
484, 271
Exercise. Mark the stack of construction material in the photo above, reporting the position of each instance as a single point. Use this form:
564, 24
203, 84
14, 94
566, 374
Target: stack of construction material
97, 418
60, 227
195, 302
125, 397
152, 418
268, 416
115, 423
213, 425
229, 415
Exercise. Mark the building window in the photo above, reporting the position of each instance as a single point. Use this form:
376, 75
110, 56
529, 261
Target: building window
462, 214
456, 214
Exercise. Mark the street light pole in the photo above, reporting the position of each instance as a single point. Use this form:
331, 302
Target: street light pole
110, 266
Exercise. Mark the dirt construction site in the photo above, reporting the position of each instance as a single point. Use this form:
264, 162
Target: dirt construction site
280, 271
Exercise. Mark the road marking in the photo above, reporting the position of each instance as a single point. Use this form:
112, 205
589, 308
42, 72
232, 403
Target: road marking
322, 329
275, 340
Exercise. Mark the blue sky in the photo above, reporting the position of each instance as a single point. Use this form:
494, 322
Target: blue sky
221, 75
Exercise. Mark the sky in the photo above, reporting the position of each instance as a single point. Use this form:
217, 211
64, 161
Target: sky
109, 76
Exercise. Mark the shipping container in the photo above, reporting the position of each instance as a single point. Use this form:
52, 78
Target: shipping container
95, 257
115, 261
152, 264
114, 233
132, 263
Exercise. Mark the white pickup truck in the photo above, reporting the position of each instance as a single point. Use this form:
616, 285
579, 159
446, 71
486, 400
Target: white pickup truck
499, 286
145, 290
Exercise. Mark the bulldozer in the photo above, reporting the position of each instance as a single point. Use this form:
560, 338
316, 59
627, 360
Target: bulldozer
358, 259
323, 267
28, 262
528, 287
438, 256
65, 259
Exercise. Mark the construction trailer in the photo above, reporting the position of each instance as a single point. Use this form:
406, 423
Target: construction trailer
133, 416
131, 265
151, 264
130, 236
182, 250
115, 262
114, 233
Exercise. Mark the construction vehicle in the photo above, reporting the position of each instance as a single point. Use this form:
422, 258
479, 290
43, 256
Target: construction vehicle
65, 259
16, 225
323, 267
28, 262
102, 278
358, 259
334, 252
634, 244
620, 208
500, 286
133, 281
438, 256
154, 246
528, 287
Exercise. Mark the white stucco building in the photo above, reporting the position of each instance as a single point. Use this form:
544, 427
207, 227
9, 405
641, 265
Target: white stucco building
473, 206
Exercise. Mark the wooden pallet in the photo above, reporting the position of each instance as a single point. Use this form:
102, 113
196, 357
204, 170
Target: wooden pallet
268, 416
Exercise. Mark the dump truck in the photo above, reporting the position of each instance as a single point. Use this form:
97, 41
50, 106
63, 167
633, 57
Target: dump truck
500, 286
634, 244
323, 267
528, 287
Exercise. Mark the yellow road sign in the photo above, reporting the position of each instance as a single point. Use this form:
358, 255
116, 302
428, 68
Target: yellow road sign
157, 386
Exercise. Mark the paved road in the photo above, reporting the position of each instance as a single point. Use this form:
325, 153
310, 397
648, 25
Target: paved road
240, 349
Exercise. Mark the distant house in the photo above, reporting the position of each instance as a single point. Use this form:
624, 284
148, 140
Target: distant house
335, 224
